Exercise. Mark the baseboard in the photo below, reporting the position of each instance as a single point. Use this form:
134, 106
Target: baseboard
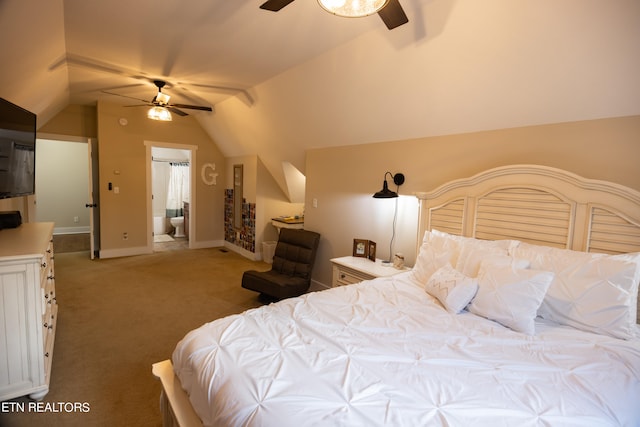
71, 230
245, 253
116, 253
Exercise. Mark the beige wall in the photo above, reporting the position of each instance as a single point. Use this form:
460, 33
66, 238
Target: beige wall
73, 120
272, 202
62, 185
123, 162
21, 204
261, 188
458, 67
343, 179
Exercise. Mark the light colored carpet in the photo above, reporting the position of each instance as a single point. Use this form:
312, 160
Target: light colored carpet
119, 316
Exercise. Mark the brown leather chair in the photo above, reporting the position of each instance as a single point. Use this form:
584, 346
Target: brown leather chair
290, 273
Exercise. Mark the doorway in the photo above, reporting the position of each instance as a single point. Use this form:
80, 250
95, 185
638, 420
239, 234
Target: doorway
65, 193
171, 196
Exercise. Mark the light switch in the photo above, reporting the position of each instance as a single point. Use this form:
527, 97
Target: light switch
116, 190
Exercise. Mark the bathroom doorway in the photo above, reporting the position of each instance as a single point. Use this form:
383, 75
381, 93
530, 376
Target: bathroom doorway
170, 186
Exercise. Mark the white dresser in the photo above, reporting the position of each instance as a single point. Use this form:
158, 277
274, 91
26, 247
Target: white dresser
28, 310
348, 270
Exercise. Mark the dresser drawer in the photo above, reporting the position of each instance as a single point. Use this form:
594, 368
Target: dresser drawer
347, 276
350, 270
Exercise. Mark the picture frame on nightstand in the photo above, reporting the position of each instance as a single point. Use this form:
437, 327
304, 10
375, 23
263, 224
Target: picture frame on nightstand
364, 249
360, 248
372, 251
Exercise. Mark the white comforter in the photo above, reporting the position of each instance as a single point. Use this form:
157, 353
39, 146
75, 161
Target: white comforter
383, 352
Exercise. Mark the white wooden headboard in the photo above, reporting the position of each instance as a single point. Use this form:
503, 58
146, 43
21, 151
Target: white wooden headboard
539, 205
536, 204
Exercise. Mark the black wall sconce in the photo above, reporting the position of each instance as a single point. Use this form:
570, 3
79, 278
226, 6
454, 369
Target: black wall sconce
385, 193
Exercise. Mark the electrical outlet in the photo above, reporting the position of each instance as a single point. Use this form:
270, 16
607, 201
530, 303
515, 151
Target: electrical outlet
125, 236
76, 219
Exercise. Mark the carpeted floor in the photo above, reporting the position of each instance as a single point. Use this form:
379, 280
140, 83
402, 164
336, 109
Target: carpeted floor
118, 316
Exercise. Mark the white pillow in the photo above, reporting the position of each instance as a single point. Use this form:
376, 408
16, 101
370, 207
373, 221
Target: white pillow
472, 251
452, 288
593, 292
510, 296
432, 255
505, 244
472, 254
635, 259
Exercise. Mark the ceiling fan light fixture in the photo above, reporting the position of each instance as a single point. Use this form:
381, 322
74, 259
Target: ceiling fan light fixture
159, 113
353, 8
163, 99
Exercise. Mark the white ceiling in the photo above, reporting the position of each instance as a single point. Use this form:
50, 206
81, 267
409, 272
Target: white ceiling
306, 79
207, 50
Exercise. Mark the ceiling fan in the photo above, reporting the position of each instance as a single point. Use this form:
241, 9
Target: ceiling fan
162, 100
390, 11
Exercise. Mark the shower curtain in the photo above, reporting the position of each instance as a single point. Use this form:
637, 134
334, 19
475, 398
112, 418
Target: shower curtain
178, 191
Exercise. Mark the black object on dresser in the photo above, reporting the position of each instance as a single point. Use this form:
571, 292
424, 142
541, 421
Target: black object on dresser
10, 219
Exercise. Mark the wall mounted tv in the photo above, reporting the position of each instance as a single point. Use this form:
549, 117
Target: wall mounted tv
17, 150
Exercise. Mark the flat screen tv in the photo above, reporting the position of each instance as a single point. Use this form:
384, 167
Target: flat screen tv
17, 150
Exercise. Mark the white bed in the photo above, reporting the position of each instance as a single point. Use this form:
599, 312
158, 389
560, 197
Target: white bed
402, 351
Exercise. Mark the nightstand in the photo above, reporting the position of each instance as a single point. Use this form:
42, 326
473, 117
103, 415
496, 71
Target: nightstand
348, 270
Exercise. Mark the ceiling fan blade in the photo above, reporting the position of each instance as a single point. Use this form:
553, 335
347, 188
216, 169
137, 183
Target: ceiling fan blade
274, 5
125, 96
192, 107
393, 15
178, 112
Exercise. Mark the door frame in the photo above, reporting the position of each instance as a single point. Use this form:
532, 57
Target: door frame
192, 185
93, 190
94, 198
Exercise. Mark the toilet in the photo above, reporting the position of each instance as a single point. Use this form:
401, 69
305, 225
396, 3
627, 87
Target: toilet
178, 223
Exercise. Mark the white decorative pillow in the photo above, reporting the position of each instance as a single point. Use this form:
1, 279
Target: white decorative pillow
593, 292
510, 296
452, 288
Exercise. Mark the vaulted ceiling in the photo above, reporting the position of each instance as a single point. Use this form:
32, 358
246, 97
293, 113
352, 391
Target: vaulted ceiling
282, 83
70, 51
